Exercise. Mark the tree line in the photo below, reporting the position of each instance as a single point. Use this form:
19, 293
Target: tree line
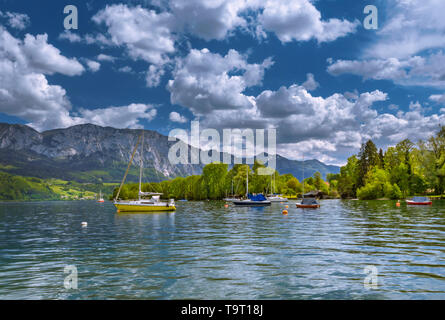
406, 169
216, 181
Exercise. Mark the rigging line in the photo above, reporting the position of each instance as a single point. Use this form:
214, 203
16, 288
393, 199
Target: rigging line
152, 186
141, 172
157, 186
128, 168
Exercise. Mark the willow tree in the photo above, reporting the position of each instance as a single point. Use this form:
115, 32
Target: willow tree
213, 178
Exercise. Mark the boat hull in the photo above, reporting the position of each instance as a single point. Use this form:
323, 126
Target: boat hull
413, 203
252, 203
125, 207
279, 200
308, 206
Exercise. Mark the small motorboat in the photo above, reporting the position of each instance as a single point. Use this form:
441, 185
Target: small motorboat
419, 201
309, 203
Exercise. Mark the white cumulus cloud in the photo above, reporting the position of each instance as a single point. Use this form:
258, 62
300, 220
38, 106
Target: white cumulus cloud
176, 117
412, 26
299, 20
93, 66
144, 33
119, 117
203, 81
417, 70
16, 20
25, 91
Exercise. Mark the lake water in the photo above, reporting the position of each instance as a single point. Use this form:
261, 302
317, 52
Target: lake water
207, 251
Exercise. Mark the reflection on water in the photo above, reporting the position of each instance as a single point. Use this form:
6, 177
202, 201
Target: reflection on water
206, 251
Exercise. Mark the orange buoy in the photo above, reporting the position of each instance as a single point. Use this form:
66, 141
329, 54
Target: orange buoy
398, 203
284, 211
286, 206
226, 205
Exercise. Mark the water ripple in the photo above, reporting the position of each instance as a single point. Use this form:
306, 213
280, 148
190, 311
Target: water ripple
206, 251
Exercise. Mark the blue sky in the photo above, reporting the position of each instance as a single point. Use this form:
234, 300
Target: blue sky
307, 68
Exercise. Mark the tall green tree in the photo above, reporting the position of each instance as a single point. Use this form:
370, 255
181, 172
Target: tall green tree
318, 181
348, 179
213, 178
433, 161
368, 157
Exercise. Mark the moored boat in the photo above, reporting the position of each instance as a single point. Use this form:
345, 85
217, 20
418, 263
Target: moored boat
277, 198
253, 201
273, 197
101, 199
309, 203
145, 205
250, 203
142, 205
258, 200
419, 201
231, 199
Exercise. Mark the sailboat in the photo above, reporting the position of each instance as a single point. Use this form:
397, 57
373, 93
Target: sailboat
252, 200
142, 205
232, 197
309, 203
101, 199
275, 197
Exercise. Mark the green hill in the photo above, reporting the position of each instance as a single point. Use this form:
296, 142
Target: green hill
13, 187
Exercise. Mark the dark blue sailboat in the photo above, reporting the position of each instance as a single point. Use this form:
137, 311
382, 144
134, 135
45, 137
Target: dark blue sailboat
258, 200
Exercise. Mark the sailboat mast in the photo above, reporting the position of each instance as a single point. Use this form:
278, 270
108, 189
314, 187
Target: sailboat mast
247, 187
303, 176
273, 186
271, 189
128, 168
141, 165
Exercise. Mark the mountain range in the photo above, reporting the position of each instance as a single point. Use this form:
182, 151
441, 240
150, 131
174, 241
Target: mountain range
93, 154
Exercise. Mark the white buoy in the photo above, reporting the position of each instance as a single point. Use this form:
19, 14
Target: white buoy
84, 224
